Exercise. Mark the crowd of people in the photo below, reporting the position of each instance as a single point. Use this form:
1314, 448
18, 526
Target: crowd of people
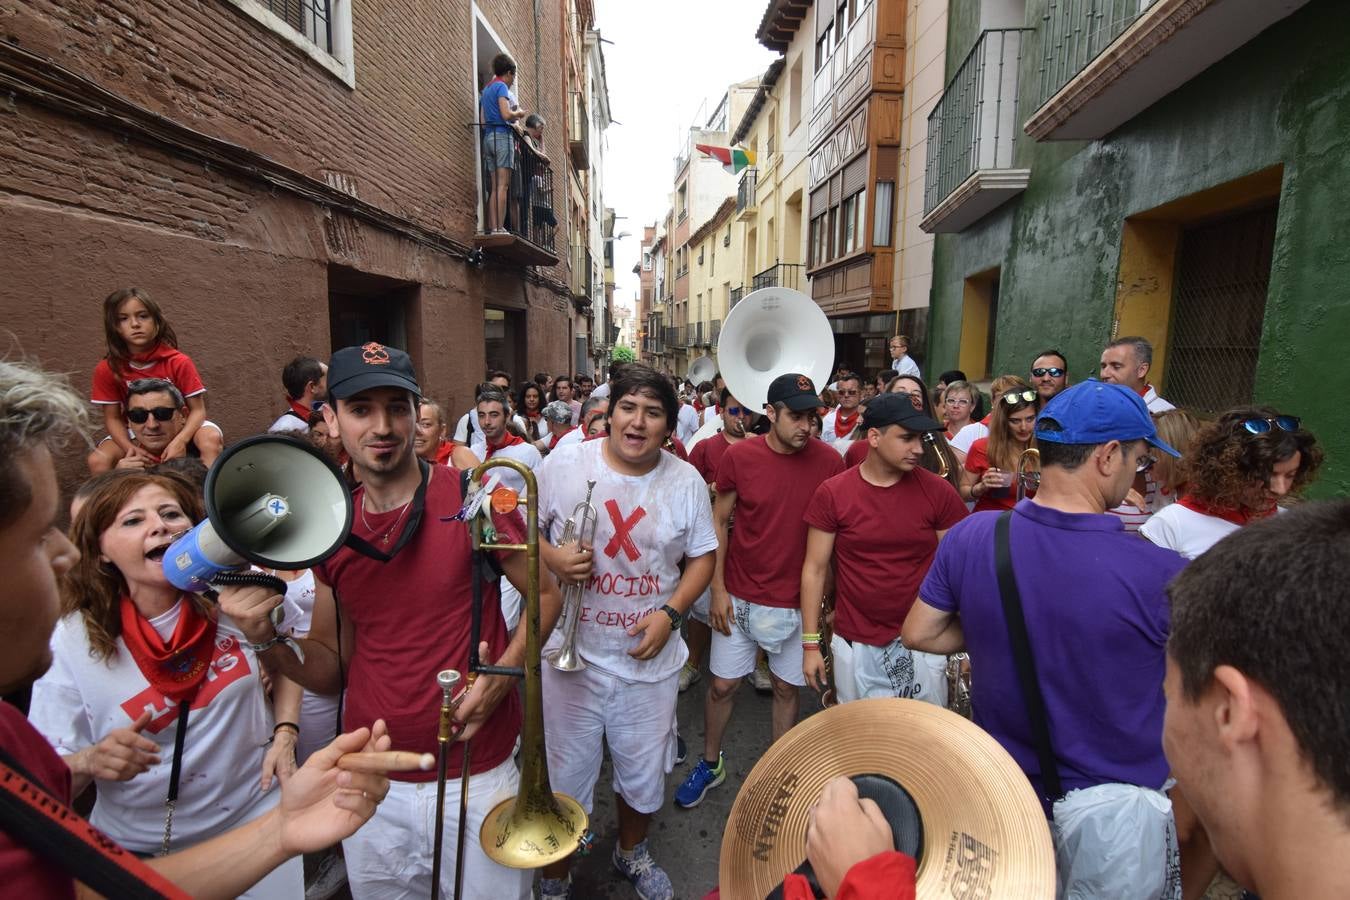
1151, 631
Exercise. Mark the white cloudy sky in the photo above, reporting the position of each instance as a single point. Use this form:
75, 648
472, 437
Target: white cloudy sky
666, 61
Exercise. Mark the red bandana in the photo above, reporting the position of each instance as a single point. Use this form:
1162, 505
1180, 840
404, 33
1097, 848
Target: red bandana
843, 425
1227, 513
299, 409
553, 441
508, 440
176, 668
443, 452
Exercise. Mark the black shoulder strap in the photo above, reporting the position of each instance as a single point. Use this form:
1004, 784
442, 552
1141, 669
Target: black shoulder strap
419, 505
1022, 658
31, 816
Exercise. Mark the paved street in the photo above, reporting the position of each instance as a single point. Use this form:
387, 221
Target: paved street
686, 843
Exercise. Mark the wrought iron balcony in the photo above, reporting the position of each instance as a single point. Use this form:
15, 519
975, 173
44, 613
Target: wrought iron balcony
788, 275
670, 337
746, 203
582, 272
530, 224
1102, 62
694, 335
971, 136
578, 131
714, 331
736, 294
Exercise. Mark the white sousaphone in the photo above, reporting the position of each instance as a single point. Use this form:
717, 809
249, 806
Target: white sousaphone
771, 332
703, 369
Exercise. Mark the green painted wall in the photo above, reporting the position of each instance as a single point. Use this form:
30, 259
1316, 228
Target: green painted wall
1282, 99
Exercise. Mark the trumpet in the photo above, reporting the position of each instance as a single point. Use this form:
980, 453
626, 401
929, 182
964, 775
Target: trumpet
932, 443
1028, 478
579, 527
537, 826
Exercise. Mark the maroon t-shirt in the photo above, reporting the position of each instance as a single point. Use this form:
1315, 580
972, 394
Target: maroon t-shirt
768, 544
22, 872
411, 619
707, 456
856, 453
884, 541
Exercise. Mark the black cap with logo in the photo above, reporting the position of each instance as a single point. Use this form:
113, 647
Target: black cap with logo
371, 365
795, 391
897, 409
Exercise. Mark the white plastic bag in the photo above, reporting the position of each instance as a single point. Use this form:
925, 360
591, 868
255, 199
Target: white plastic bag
1116, 841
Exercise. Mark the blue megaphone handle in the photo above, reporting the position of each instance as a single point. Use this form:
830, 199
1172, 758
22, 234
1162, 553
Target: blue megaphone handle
186, 564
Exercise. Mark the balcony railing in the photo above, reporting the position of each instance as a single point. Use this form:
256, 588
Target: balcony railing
694, 335
714, 331
1074, 32
788, 275
581, 273
530, 222
578, 130
745, 192
736, 294
971, 132
671, 336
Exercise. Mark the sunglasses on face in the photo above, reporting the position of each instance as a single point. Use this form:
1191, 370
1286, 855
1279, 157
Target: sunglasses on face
738, 411
1261, 426
141, 416
1052, 371
1012, 398
848, 393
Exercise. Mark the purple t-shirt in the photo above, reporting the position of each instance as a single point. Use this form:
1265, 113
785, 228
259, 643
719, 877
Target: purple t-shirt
1098, 621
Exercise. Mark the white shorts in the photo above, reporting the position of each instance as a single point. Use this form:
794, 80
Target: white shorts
390, 857
586, 710
777, 630
862, 671
701, 611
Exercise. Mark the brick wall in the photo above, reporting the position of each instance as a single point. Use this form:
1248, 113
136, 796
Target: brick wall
241, 265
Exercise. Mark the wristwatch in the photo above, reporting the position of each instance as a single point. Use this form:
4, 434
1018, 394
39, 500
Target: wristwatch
676, 618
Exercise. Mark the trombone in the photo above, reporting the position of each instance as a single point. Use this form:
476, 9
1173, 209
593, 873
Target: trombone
537, 826
1028, 472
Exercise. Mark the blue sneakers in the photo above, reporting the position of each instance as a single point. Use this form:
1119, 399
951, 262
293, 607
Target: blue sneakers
703, 779
649, 880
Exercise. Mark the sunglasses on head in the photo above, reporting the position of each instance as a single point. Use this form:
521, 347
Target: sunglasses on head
1052, 371
141, 416
1261, 426
1012, 398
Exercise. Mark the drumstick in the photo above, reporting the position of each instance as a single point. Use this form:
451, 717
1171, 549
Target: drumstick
379, 762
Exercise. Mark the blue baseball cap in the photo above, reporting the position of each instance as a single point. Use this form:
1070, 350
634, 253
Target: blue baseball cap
1094, 412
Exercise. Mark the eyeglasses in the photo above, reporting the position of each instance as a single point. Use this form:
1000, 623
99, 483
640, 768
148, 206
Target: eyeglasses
1052, 371
1012, 398
737, 411
956, 402
1261, 426
141, 416
1144, 463
843, 393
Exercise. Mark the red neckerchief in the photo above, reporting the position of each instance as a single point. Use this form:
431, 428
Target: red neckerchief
443, 452
1144, 392
553, 441
697, 404
176, 668
1227, 513
300, 410
508, 440
843, 425
155, 353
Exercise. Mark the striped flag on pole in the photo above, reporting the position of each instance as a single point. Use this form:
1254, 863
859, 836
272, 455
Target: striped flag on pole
733, 159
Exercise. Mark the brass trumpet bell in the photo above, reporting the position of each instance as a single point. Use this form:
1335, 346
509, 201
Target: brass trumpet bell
533, 829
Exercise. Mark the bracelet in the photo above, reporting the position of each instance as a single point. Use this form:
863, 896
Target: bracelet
810, 637
291, 725
267, 644
810, 645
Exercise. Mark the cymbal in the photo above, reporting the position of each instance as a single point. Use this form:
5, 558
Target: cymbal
984, 833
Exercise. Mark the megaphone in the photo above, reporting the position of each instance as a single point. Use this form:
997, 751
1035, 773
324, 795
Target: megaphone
771, 332
703, 369
271, 500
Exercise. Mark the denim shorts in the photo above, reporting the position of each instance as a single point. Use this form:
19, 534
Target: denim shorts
499, 149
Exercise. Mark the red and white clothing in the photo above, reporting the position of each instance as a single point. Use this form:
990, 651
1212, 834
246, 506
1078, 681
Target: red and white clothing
884, 542
1154, 403
838, 424
318, 712
1191, 528
163, 361
686, 423
570, 436
647, 525
294, 420
969, 435
81, 699
511, 447
23, 872
411, 619
977, 461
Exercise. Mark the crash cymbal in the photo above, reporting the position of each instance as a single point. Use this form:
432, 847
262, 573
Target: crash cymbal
984, 833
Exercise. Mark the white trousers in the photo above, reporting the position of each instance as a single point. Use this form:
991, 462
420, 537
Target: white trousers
390, 857
862, 671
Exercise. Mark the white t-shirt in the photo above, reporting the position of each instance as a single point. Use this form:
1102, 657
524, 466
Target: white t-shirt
288, 422
969, 435
572, 437
318, 712
1187, 531
686, 423
827, 426
646, 524
1155, 403
523, 452
81, 699
905, 366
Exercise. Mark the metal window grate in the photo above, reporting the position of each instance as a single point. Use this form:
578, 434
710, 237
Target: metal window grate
312, 18
1223, 275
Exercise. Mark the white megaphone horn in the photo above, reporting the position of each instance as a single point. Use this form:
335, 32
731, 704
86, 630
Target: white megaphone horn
271, 500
